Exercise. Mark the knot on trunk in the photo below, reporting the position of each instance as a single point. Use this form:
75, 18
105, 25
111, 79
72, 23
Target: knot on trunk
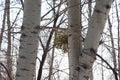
87, 59
89, 54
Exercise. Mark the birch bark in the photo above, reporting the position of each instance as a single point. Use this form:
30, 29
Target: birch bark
29, 40
95, 30
74, 35
81, 70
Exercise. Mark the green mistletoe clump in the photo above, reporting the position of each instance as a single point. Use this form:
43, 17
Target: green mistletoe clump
61, 40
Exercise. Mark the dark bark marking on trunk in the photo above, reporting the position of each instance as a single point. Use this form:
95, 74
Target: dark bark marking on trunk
98, 11
85, 66
34, 32
86, 77
69, 34
81, 55
32, 53
37, 27
32, 63
29, 44
20, 40
22, 27
17, 62
21, 47
71, 26
22, 57
18, 75
23, 35
24, 69
77, 69
91, 53
107, 6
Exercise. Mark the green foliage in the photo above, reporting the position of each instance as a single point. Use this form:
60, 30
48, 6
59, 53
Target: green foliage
61, 40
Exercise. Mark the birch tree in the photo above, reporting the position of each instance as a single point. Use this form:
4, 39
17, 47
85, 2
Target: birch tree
80, 62
74, 41
82, 52
29, 40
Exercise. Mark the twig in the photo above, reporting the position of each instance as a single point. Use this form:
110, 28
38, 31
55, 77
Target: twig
6, 70
113, 70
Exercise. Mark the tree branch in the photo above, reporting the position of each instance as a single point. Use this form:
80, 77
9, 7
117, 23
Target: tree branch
113, 70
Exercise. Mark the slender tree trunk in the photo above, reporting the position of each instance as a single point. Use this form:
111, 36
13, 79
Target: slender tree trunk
1, 38
112, 43
45, 52
89, 16
29, 40
118, 20
9, 58
74, 38
51, 65
3, 26
119, 52
102, 70
46, 49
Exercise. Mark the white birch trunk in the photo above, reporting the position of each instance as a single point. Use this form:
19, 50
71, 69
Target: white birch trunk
29, 40
95, 30
97, 23
74, 41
